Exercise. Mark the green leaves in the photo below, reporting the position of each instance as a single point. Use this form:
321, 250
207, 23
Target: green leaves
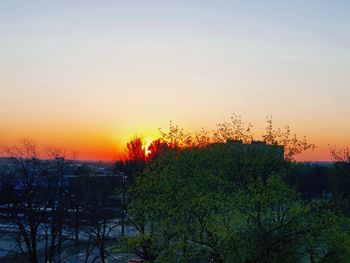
220, 203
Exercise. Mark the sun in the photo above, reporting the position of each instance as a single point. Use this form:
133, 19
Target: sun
147, 142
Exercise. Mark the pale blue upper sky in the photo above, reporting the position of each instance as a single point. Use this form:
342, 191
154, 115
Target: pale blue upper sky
126, 66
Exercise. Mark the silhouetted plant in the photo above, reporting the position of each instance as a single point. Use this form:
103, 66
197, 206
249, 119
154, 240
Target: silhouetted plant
235, 130
292, 145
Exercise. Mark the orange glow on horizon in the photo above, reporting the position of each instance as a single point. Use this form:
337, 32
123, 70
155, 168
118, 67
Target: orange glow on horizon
97, 148
107, 142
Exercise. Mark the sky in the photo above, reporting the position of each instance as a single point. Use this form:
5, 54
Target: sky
90, 75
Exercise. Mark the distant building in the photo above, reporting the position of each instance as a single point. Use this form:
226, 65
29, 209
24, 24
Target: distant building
258, 148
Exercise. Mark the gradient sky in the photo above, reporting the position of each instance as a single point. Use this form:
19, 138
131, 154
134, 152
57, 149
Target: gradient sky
89, 75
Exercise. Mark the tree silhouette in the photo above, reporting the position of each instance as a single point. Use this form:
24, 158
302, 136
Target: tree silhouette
292, 145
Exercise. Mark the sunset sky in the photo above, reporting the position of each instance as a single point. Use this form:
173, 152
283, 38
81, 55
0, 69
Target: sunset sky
89, 75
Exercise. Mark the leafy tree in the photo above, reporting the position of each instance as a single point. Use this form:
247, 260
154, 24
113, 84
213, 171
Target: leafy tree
311, 180
340, 156
340, 179
229, 203
235, 130
157, 148
136, 150
176, 138
292, 145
